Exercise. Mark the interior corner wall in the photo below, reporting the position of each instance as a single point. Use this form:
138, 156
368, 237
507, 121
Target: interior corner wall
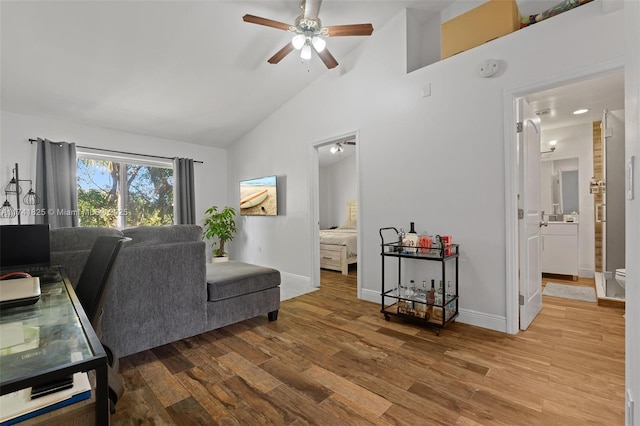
210, 177
577, 142
423, 38
446, 171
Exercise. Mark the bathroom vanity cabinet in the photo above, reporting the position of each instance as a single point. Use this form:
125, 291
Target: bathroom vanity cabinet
559, 248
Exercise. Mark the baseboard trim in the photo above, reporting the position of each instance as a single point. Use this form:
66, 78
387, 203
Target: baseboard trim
586, 273
479, 319
296, 279
370, 295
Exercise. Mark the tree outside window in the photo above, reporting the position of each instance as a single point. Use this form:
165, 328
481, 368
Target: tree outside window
147, 198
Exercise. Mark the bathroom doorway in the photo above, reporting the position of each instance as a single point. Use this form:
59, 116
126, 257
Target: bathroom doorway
582, 232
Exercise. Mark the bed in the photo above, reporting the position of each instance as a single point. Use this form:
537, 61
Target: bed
339, 247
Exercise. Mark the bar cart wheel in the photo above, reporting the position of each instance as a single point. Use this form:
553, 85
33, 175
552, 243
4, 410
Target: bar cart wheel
437, 332
387, 317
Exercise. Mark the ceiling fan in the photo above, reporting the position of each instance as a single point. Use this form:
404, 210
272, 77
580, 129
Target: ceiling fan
338, 147
309, 33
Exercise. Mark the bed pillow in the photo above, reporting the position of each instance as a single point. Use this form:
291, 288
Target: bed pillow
349, 224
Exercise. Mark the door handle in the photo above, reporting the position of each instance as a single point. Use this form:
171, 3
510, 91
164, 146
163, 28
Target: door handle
599, 208
543, 223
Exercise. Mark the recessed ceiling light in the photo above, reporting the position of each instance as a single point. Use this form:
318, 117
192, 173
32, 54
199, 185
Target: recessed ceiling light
553, 142
580, 111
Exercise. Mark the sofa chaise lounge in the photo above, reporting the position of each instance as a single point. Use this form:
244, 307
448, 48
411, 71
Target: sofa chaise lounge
162, 289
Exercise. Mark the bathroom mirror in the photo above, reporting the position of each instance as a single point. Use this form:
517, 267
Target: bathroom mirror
559, 186
568, 191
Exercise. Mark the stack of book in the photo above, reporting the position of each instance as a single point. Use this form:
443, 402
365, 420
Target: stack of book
19, 406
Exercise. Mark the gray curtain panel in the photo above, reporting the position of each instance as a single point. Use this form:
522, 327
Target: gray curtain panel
184, 203
56, 183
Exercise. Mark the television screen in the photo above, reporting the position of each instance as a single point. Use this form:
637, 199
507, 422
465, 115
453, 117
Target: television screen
259, 197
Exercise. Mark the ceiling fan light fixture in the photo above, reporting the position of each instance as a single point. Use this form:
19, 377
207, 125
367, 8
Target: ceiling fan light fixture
337, 148
318, 43
305, 53
298, 41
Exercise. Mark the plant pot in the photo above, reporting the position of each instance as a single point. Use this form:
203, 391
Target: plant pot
218, 259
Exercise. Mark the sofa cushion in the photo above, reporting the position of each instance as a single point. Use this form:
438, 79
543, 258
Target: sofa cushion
233, 278
80, 238
155, 235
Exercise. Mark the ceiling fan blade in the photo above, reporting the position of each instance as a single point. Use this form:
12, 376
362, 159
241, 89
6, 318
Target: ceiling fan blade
350, 30
266, 22
311, 9
327, 58
280, 54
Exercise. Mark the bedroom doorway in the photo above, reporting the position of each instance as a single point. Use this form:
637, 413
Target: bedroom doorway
334, 211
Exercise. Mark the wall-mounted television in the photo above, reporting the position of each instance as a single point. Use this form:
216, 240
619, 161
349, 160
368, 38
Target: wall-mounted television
259, 197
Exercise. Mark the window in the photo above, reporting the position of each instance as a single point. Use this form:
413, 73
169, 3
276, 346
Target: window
117, 192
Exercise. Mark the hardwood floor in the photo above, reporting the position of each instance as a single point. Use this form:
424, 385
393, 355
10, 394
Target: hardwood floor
331, 359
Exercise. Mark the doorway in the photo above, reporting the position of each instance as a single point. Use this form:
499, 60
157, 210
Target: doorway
334, 212
582, 170
557, 93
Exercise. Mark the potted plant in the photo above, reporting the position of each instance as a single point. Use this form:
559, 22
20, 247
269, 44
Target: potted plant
220, 227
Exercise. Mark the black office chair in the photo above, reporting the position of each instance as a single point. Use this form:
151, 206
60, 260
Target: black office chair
91, 291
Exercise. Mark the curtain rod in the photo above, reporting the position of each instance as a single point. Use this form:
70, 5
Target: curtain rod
125, 152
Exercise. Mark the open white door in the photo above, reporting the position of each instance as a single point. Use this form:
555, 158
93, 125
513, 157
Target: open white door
530, 220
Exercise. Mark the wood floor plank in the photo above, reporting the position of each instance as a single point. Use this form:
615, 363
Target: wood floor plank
172, 359
360, 398
205, 392
331, 359
163, 384
297, 405
297, 380
188, 412
252, 374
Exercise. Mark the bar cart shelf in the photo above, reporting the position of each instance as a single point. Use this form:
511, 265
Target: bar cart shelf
413, 302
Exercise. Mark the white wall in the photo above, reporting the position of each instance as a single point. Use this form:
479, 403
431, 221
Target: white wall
324, 196
339, 180
446, 169
577, 142
210, 177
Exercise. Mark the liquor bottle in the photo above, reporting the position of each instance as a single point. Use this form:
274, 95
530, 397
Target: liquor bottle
432, 295
410, 240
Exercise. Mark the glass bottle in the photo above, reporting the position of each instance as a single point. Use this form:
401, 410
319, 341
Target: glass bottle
410, 240
400, 240
439, 300
432, 295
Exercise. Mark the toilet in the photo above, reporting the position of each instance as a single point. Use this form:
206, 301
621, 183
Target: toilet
621, 276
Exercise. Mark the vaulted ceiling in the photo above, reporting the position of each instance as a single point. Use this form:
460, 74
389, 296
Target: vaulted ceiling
185, 70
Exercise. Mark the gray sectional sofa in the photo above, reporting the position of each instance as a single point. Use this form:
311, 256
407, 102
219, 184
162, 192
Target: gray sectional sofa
162, 289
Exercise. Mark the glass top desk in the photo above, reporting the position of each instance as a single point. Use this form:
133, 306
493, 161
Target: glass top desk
51, 339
